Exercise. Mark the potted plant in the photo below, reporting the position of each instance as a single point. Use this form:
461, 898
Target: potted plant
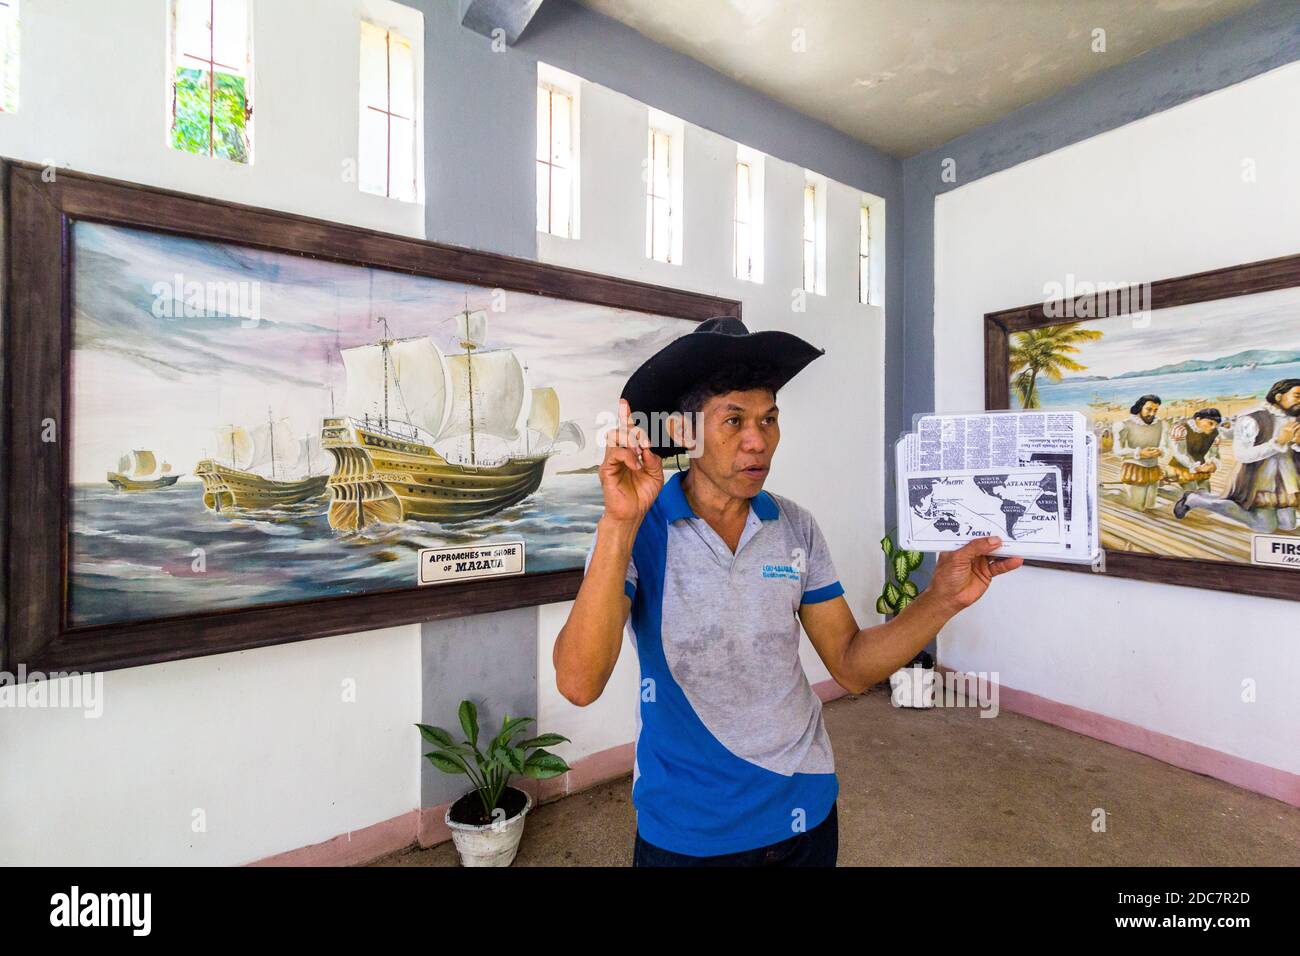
487, 822
913, 685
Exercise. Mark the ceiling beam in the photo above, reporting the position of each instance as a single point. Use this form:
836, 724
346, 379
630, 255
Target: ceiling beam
509, 16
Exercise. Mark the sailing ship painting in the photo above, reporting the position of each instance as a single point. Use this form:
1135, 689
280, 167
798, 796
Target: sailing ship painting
387, 468
233, 484
140, 471
328, 422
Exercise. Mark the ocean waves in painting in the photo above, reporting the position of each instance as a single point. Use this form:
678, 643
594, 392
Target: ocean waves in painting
161, 554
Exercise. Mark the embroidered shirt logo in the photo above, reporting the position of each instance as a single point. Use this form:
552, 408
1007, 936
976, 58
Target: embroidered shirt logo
781, 572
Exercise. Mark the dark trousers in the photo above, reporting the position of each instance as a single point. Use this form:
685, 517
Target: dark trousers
820, 846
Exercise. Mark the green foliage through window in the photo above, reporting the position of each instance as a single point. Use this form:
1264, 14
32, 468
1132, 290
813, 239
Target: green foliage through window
210, 122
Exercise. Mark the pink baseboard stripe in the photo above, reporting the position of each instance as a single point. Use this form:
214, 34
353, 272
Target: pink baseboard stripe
354, 847
1238, 771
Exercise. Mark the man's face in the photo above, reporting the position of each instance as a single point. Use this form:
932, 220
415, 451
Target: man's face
1204, 425
740, 435
1148, 412
1289, 402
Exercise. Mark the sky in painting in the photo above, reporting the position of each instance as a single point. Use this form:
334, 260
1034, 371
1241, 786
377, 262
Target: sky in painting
1203, 330
144, 380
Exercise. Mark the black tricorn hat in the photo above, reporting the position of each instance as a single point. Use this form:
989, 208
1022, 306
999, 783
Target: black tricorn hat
714, 344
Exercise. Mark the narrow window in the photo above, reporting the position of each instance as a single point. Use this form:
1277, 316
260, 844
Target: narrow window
8, 56
864, 255
388, 140
555, 162
659, 197
810, 237
743, 225
211, 78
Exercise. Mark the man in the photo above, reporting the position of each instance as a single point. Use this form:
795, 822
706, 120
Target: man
733, 764
1138, 442
1265, 489
1194, 450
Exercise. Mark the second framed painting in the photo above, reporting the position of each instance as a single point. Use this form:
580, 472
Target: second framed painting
233, 427
1192, 386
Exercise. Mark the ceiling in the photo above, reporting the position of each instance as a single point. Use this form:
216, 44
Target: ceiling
908, 75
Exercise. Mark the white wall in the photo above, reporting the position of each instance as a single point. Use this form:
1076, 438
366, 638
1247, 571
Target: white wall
831, 415
1161, 197
261, 740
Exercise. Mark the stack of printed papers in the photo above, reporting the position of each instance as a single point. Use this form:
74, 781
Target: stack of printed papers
1029, 478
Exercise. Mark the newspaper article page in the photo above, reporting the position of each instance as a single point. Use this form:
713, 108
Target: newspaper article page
952, 466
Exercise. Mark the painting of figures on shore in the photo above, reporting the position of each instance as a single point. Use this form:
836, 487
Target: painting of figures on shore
1197, 413
254, 428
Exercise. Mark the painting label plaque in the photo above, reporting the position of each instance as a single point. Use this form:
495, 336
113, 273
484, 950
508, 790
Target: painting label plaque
1283, 552
438, 565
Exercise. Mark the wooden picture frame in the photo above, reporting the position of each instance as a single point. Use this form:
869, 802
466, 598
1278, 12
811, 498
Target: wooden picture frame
1264, 276
39, 208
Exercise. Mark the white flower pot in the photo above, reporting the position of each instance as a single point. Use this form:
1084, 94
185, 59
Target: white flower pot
492, 844
912, 687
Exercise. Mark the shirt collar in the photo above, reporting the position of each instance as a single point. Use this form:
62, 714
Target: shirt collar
672, 501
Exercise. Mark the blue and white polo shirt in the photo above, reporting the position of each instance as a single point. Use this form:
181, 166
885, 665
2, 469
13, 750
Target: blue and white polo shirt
731, 751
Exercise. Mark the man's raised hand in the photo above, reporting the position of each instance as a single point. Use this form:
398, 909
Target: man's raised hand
631, 474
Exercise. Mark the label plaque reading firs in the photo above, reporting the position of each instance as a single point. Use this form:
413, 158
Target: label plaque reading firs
1281, 551
440, 565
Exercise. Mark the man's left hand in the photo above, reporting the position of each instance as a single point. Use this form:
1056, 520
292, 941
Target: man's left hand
961, 577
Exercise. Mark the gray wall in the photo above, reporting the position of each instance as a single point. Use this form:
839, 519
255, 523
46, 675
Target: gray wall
480, 192
490, 659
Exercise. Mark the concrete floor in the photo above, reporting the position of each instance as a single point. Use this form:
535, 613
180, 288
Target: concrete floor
947, 787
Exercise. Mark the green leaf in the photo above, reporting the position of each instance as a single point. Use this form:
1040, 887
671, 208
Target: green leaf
892, 594
436, 736
510, 726
914, 559
901, 567
887, 545
543, 740
910, 589
446, 762
469, 721
542, 765
882, 606
903, 602
513, 726
511, 759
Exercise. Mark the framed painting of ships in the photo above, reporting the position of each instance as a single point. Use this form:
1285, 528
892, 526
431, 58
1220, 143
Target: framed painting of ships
1192, 387
232, 427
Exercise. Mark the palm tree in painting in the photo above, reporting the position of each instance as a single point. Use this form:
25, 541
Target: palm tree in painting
1046, 352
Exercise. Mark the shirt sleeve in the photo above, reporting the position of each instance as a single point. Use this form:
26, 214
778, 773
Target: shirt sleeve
821, 582
1243, 442
629, 577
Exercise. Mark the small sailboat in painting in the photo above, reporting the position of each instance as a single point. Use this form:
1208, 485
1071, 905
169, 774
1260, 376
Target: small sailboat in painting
406, 396
293, 465
139, 471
